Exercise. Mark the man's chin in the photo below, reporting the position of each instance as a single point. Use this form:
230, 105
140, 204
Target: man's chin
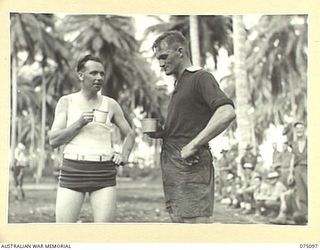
97, 88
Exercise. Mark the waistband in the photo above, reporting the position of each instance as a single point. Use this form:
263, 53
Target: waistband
87, 157
182, 143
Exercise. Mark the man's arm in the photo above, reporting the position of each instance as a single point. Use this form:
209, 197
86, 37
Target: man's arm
220, 120
126, 130
60, 134
291, 170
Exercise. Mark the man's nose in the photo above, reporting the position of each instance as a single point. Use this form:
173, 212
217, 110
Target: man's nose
162, 63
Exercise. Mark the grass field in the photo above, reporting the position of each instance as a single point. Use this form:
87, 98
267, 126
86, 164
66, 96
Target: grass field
139, 201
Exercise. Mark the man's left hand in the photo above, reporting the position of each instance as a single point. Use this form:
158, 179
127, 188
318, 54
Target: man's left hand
188, 153
117, 159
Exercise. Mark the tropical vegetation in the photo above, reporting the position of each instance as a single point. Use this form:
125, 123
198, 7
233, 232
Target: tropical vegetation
268, 77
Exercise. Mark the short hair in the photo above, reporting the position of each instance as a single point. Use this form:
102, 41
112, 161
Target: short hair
173, 37
83, 60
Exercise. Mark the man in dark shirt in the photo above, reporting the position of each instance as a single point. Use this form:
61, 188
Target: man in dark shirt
198, 112
299, 168
249, 157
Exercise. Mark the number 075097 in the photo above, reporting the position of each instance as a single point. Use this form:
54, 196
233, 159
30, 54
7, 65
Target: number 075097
308, 246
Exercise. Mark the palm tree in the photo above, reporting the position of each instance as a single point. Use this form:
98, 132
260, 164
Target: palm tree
277, 64
214, 32
20, 41
244, 121
28, 113
13, 109
128, 75
194, 40
34, 35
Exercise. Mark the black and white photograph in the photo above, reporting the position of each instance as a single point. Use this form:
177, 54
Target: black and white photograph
188, 119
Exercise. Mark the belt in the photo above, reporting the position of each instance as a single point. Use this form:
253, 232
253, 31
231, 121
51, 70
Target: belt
82, 157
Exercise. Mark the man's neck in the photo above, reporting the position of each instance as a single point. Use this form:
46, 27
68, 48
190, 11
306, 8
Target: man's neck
90, 96
186, 64
301, 138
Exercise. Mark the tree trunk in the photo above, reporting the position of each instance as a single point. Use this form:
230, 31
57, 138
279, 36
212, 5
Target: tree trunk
33, 131
43, 130
13, 107
194, 40
244, 111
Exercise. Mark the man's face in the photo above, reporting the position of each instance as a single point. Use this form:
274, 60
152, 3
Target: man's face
168, 57
257, 181
93, 75
299, 128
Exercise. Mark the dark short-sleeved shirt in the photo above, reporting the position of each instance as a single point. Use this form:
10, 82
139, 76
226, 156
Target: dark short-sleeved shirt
284, 159
300, 158
196, 97
189, 190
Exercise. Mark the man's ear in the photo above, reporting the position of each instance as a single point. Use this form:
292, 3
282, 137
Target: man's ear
180, 50
80, 75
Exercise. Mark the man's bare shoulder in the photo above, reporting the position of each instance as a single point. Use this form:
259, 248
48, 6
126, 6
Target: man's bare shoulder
113, 104
63, 102
64, 99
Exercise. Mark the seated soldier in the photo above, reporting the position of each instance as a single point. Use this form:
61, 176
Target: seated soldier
259, 194
237, 183
268, 201
229, 189
245, 193
289, 210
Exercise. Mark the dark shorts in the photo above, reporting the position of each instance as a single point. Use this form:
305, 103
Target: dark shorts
188, 190
87, 176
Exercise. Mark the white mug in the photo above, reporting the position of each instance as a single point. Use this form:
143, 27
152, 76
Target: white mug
149, 125
100, 116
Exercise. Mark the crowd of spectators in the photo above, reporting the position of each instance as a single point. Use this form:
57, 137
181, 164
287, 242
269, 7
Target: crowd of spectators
277, 193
